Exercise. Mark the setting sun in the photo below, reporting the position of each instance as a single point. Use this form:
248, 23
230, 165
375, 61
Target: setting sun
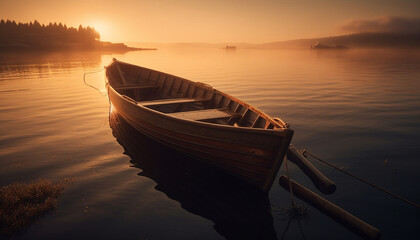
102, 28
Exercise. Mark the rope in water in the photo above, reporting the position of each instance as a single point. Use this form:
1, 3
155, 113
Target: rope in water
84, 80
292, 197
304, 152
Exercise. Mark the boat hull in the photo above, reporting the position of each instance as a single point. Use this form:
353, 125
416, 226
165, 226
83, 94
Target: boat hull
254, 155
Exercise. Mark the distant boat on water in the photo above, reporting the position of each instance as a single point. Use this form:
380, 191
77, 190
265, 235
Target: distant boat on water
319, 45
230, 47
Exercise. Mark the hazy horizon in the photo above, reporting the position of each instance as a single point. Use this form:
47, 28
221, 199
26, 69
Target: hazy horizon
248, 21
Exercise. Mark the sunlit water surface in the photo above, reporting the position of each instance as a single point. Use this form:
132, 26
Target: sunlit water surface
359, 110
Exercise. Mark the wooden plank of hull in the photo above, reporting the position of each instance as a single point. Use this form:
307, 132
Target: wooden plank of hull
128, 87
261, 143
239, 159
253, 173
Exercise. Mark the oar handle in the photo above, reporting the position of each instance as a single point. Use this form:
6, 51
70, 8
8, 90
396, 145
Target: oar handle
324, 184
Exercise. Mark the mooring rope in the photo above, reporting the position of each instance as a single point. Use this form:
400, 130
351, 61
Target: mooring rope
84, 80
292, 197
304, 152
295, 208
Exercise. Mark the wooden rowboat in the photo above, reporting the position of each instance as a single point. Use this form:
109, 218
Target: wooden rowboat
200, 121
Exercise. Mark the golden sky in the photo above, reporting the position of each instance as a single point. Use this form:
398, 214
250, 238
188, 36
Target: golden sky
215, 21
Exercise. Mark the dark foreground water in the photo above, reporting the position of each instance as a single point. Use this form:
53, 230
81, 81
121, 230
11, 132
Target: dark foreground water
359, 110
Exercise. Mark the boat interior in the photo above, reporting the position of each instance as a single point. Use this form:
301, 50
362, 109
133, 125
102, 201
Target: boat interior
183, 98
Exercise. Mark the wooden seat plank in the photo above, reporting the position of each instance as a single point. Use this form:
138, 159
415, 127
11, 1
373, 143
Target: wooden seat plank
206, 114
172, 101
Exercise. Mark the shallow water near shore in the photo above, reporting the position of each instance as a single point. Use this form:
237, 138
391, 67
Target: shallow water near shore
357, 109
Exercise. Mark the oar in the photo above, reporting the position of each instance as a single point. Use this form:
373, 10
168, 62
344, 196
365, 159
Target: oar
340, 215
324, 184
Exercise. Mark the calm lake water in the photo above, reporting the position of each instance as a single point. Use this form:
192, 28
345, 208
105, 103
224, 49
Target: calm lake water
358, 109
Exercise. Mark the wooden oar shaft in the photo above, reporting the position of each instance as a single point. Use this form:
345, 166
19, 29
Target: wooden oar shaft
324, 184
340, 215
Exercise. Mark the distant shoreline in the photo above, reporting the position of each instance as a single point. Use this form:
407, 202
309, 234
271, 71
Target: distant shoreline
59, 46
371, 40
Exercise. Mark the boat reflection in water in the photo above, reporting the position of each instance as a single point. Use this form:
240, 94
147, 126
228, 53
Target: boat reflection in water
238, 210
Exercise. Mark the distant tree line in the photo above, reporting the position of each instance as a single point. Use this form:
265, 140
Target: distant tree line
34, 34
385, 39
